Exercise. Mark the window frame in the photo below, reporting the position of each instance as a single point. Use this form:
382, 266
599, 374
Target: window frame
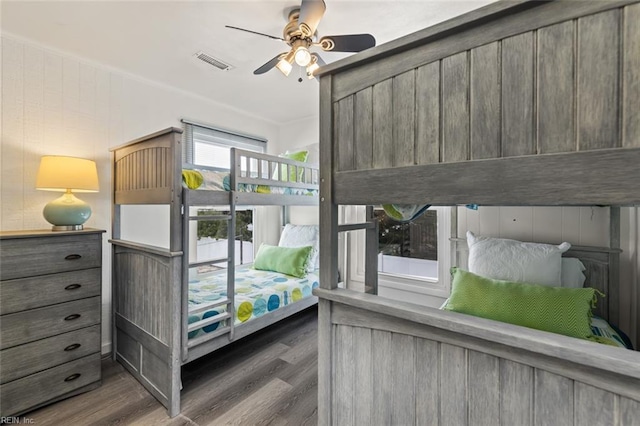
355, 254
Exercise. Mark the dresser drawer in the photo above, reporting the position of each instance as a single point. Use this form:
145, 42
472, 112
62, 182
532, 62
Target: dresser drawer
33, 292
22, 394
27, 257
36, 324
23, 360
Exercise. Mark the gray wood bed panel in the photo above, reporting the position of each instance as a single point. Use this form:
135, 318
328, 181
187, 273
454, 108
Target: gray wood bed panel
427, 146
576, 178
482, 379
144, 171
517, 103
363, 129
485, 129
524, 92
383, 151
147, 318
486, 25
556, 82
455, 108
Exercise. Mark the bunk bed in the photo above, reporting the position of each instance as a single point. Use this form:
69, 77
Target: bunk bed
519, 103
167, 309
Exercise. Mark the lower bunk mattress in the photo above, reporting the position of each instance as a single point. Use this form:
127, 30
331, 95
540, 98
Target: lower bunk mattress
257, 293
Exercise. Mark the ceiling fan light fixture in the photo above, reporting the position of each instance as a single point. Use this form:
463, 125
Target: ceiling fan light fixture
284, 64
284, 67
312, 68
302, 56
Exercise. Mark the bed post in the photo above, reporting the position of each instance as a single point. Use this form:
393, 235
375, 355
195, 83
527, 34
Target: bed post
115, 234
175, 245
231, 259
184, 299
328, 252
614, 265
371, 254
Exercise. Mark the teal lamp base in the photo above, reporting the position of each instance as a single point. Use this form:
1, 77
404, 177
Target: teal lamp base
67, 213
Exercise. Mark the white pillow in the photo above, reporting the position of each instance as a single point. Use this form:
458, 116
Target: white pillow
300, 236
572, 275
512, 260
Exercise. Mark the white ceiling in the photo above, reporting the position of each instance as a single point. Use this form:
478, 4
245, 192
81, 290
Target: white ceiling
157, 40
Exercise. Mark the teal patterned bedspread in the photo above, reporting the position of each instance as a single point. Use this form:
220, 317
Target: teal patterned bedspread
256, 293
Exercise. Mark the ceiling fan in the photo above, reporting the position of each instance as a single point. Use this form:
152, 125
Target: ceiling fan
300, 34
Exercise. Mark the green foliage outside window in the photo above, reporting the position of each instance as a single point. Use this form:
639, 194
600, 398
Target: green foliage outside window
417, 239
217, 229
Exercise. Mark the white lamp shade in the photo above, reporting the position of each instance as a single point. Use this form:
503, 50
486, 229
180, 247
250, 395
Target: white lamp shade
58, 173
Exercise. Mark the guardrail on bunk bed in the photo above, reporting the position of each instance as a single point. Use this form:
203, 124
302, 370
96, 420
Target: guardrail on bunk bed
517, 103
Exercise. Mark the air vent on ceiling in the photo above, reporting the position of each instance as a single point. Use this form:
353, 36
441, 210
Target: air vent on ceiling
213, 61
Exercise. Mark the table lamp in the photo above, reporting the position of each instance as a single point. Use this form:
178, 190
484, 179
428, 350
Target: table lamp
66, 174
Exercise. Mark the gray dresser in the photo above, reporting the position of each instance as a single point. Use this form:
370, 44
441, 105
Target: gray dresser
50, 311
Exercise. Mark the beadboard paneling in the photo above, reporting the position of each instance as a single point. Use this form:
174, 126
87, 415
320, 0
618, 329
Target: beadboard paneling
577, 225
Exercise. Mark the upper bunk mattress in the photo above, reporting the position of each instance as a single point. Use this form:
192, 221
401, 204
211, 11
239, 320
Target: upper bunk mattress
210, 180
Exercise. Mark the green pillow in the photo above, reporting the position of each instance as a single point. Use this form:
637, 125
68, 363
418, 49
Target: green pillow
556, 309
286, 260
296, 156
192, 178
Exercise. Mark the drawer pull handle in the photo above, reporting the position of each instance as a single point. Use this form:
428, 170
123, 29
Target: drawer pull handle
72, 347
72, 377
73, 286
73, 257
72, 317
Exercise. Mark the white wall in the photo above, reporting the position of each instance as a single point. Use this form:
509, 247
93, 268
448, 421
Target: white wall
297, 134
54, 103
294, 135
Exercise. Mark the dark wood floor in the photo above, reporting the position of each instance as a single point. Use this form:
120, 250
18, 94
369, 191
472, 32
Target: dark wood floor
268, 378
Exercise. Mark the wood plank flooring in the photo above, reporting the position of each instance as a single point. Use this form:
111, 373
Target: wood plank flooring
268, 378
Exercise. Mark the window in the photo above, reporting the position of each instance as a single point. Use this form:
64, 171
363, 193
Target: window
212, 238
413, 258
210, 148
408, 248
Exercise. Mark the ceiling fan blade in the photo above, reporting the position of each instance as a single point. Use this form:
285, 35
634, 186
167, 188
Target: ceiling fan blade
254, 32
311, 12
266, 67
347, 43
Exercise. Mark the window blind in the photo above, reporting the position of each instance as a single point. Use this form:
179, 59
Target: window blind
195, 134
